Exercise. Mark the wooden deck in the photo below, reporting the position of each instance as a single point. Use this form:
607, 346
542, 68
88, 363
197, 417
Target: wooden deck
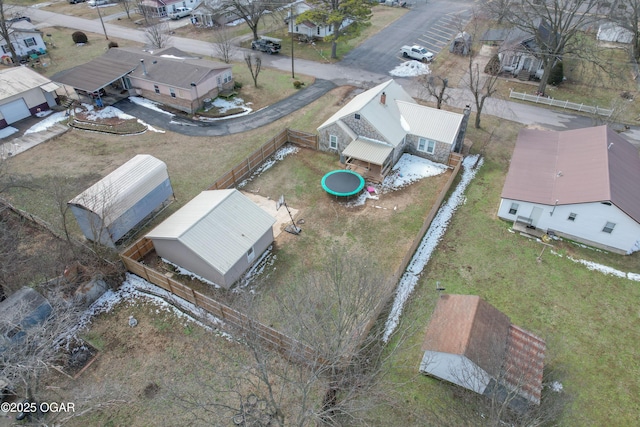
369, 172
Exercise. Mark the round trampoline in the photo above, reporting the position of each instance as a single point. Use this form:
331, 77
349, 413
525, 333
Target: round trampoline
342, 183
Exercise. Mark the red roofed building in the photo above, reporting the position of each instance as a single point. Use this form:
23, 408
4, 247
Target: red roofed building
580, 184
472, 344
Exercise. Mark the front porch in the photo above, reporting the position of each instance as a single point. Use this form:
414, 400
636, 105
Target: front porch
369, 171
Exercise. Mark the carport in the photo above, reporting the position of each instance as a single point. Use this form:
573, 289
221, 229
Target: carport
92, 78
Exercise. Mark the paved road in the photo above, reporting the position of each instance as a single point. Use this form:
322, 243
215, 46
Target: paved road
426, 23
339, 74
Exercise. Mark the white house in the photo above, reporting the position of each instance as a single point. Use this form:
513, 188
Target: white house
24, 93
472, 344
26, 40
161, 8
377, 126
217, 235
580, 184
307, 28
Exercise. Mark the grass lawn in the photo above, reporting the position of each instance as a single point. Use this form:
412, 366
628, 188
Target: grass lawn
589, 320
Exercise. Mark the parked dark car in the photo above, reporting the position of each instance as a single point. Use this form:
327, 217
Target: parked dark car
76, 1
19, 18
267, 44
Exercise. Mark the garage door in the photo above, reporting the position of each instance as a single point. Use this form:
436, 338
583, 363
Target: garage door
15, 110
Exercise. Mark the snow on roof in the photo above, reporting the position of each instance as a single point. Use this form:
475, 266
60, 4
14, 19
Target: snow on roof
219, 226
117, 192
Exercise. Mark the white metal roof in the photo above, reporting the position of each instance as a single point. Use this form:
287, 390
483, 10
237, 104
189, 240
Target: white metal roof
386, 118
431, 123
220, 226
123, 188
368, 151
17, 80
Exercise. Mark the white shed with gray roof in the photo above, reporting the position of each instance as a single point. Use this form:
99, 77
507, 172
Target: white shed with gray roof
217, 236
116, 204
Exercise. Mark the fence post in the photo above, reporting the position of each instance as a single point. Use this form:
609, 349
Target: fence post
580, 109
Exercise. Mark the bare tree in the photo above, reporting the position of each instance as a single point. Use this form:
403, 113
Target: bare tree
34, 332
127, 5
145, 11
555, 26
331, 314
158, 33
626, 13
222, 38
481, 77
6, 9
435, 86
254, 63
249, 11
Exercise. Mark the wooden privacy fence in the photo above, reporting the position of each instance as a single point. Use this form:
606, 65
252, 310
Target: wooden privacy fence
246, 167
563, 104
232, 318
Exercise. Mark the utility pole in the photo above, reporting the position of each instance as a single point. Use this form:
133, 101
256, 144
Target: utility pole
102, 22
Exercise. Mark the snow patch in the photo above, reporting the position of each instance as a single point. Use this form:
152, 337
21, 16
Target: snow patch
410, 69
427, 246
277, 156
149, 104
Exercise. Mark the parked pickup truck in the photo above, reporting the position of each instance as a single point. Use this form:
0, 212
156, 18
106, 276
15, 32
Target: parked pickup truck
267, 44
417, 52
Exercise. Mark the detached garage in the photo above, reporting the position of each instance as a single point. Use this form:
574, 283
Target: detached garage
115, 205
217, 235
23, 93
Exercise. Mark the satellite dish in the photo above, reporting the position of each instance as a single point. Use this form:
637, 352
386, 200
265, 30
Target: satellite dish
280, 202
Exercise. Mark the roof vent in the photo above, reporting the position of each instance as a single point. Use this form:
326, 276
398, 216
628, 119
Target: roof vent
610, 145
144, 68
383, 98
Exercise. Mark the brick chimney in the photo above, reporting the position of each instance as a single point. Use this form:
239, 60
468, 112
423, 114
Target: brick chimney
383, 98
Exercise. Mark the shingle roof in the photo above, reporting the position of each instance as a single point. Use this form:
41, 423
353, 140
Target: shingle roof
575, 166
219, 226
469, 326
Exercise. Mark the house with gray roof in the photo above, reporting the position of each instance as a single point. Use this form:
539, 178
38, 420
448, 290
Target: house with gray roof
472, 344
217, 236
168, 76
579, 184
376, 127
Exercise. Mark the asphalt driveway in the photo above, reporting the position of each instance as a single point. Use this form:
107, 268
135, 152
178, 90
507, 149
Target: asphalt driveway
265, 116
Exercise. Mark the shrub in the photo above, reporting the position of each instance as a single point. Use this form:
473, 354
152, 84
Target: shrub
79, 37
493, 66
237, 85
297, 84
112, 44
556, 75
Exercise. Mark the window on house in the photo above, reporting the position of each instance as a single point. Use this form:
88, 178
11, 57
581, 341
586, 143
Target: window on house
156, 88
333, 142
220, 81
296, 28
608, 228
513, 209
318, 31
426, 145
572, 217
31, 41
357, 116
5, 48
250, 255
172, 92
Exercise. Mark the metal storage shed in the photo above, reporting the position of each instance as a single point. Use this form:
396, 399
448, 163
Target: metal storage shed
217, 236
120, 201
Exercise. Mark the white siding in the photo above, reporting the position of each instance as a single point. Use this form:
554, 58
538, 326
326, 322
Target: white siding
455, 369
587, 226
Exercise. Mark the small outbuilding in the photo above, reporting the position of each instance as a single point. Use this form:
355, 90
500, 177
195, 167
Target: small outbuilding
472, 344
24, 93
116, 204
217, 236
22, 310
